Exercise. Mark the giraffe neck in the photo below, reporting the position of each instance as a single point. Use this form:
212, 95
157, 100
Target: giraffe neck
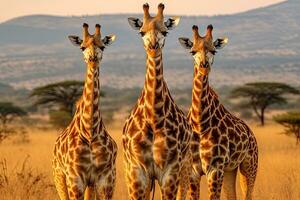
89, 120
204, 99
155, 89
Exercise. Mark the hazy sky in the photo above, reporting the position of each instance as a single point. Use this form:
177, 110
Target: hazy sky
14, 8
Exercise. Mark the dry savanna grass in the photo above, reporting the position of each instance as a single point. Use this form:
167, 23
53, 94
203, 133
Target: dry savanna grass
25, 169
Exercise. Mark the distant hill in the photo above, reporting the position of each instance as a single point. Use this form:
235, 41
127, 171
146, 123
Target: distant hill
263, 45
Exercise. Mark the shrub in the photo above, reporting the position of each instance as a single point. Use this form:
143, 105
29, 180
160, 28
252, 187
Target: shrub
291, 121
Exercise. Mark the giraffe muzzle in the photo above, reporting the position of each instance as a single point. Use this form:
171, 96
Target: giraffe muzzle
153, 47
204, 64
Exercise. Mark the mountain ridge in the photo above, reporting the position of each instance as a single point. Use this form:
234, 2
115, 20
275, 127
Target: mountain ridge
34, 50
140, 14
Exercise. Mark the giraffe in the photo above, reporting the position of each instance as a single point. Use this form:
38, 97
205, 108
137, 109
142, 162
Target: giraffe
156, 135
84, 153
221, 143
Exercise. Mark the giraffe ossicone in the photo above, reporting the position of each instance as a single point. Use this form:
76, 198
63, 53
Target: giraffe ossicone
222, 144
84, 153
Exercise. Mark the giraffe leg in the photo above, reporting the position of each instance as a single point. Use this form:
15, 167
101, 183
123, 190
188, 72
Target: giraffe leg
229, 184
169, 189
106, 186
90, 193
195, 180
248, 171
60, 184
75, 188
215, 180
170, 184
184, 181
139, 183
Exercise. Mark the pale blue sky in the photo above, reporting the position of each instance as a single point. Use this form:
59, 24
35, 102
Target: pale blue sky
14, 8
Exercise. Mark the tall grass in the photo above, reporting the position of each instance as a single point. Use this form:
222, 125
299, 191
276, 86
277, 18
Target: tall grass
23, 177
22, 182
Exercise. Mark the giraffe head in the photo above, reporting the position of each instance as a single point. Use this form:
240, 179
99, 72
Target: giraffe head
92, 46
153, 30
203, 49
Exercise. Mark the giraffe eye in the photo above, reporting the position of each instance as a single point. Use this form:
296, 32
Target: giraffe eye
193, 52
82, 48
165, 33
102, 48
213, 52
142, 33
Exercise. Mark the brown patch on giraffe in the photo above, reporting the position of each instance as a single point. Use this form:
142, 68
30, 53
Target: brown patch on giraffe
214, 151
204, 103
167, 104
228, 122
205, 126
222, 150
139, 119
239, 147
218, 114
222, 127
214, 121
206, 157
235, 156
224, 141
231, 134
214, 136
204, 145
160, 112
173, 113
244, 137
205, 115
145, 145
171, 142
133, 129
173, 156
213, 106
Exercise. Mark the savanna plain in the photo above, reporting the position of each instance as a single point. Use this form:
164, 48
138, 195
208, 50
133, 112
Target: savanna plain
25, 168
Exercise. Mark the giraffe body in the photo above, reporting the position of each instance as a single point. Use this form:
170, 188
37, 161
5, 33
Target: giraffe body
84, 165
151, 144
222, 144
84, 153
156, 135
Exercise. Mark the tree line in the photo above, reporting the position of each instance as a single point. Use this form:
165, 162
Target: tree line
60, 99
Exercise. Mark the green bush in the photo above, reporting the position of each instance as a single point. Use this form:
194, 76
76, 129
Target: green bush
291, 121
8, 113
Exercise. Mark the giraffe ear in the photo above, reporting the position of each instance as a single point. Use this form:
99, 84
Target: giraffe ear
135, 23
172, 22
75, 40
220, 43
108, 40
185, 43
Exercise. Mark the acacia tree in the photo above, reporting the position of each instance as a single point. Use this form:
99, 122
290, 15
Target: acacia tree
62, 95
8, 112
291, 121
261, 95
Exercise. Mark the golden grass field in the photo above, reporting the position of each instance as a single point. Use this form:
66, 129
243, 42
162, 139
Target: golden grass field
278, 177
